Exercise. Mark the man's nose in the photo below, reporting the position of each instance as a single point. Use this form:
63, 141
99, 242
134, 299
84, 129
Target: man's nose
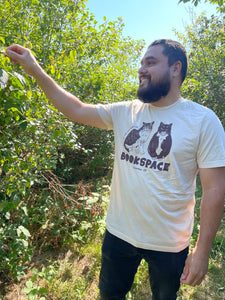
142, 70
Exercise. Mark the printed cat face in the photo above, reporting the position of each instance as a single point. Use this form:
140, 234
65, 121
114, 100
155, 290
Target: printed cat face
164, 128
147, 126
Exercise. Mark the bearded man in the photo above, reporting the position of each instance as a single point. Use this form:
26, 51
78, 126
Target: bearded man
161, 142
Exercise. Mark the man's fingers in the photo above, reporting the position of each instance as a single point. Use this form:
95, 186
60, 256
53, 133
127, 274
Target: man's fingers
185, 274
23, 56
16, 48
192, 279
186, 270
14, 52
188, 280
13, 56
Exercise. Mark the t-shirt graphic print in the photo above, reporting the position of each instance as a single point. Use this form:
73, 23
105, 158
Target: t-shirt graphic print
161, 142
142, 142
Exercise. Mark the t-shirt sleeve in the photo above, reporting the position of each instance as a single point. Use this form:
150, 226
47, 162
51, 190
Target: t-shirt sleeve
110, 113
211, 151
105, 113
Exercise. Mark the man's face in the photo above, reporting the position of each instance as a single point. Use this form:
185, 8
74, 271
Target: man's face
154, 76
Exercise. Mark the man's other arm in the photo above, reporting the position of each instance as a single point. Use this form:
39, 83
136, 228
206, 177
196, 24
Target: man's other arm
211, 212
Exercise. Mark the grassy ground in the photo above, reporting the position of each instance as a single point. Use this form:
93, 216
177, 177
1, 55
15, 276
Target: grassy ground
73, 274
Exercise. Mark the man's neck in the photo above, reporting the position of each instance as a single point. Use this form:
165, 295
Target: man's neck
168, 100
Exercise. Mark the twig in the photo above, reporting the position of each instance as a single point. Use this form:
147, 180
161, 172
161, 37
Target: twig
56, 186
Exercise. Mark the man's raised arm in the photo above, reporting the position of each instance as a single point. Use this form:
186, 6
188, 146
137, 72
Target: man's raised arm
65, 102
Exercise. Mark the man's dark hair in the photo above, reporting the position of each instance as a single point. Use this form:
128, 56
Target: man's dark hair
175, 52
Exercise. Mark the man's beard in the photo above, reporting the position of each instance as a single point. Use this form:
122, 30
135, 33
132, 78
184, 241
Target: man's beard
153, 92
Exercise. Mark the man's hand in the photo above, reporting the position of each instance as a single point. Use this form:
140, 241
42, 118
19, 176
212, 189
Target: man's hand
196, 267
24, 57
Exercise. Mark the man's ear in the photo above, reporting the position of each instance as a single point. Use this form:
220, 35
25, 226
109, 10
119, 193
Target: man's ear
176, 68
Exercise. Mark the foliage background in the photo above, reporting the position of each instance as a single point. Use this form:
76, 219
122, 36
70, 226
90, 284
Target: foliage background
54, 174
205, 83
93, 61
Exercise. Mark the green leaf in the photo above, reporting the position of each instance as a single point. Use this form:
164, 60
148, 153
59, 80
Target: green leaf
33, 293
52, 69
23, 125
73, 54
20, 77
24, 208
3, 78
7, 215
2, 40
25, 243
56, 231
22, 229
29, 284
92, 200
15, 109
26, 290
56, 133
43, 291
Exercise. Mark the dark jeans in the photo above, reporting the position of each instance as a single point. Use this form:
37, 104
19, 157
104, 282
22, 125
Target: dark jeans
120, 261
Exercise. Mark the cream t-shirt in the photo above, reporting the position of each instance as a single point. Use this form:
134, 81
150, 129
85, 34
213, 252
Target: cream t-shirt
158, 151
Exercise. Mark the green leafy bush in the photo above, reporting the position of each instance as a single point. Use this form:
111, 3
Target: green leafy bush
14, 246
205, 40
96, 63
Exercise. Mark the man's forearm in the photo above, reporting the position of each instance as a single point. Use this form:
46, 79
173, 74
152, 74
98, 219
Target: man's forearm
211, 212
65, 102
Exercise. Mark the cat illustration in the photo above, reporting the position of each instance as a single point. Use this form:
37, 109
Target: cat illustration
161, 142
136, 138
